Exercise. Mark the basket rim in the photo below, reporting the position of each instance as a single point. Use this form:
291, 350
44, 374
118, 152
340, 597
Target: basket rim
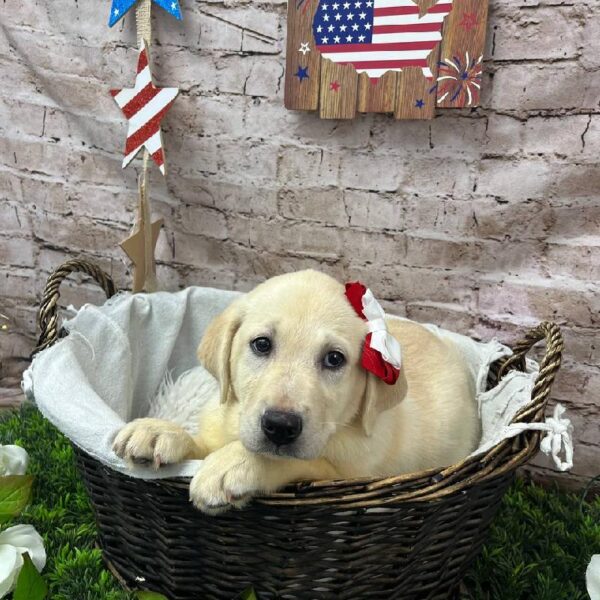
365, 492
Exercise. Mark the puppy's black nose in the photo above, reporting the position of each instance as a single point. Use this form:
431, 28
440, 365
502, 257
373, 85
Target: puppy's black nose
280, 426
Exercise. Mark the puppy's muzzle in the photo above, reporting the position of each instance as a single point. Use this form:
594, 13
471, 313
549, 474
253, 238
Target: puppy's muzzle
281, 427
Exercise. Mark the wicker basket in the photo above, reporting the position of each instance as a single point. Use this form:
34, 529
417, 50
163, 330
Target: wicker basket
406, 537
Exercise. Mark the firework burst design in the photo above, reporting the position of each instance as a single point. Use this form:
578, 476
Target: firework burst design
459, 80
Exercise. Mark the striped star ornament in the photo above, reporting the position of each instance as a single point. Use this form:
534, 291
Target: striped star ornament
145, 105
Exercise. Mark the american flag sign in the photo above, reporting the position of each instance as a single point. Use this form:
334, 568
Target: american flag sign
376, 36
144, 105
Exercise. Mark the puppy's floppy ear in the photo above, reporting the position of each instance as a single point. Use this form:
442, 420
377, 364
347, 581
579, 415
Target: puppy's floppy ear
214, 351
379, 396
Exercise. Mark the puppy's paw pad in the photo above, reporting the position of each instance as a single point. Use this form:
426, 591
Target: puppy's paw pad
208, 501
224, 481
152, 441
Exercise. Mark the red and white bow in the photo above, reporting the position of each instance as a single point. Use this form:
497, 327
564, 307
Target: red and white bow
381, 352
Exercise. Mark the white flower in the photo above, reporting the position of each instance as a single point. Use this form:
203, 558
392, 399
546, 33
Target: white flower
14, 542
592, 577
13, 460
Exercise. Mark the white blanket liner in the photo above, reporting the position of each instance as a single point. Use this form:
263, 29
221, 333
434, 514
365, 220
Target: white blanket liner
125, 360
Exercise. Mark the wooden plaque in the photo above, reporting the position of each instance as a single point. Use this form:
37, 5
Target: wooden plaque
406, 57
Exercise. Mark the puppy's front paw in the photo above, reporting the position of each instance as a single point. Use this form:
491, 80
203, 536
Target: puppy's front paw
227, 478
153, 440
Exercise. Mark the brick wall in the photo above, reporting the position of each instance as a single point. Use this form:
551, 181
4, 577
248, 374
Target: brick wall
483, 221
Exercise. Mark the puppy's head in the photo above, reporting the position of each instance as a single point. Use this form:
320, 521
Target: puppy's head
289, 352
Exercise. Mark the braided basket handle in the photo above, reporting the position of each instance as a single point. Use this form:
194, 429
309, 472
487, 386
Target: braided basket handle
549, 365
550, 332
48, 313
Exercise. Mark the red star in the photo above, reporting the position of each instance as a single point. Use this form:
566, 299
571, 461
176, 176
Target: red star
469, 21
335, 86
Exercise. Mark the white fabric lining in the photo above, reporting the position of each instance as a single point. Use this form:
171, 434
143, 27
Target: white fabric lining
135, 356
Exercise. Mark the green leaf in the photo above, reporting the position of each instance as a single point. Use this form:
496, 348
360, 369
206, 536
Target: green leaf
248, 594
150, 596
15, 492
30, 584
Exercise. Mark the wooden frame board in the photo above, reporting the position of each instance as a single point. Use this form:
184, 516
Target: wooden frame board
405, 57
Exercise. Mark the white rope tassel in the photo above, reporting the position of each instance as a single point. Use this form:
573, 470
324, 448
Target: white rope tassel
559, 435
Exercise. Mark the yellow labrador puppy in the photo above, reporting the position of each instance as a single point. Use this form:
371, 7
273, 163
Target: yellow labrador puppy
297, 402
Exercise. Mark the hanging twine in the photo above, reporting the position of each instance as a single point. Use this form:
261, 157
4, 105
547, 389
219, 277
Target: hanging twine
143, 20
145, 217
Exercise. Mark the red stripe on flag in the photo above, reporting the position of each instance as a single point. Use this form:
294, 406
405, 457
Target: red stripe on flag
388, 11
398, 46
146, 131
413, 28
113, 93
140, 100
440, 8
383, 64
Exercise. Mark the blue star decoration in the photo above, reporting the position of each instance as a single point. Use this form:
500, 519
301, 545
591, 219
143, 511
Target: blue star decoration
302, 73
419, 103
120, 7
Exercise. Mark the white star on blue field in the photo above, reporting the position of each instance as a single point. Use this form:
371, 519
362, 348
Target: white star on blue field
120, 7
344, 22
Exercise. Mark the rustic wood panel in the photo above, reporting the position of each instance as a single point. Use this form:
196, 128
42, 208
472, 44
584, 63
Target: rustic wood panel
335, 88
415, 94
303, 62
459, 76
412, 98
379, 95
339, 89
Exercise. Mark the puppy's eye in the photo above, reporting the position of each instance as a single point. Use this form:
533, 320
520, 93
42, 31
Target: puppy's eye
261, 345
334, 360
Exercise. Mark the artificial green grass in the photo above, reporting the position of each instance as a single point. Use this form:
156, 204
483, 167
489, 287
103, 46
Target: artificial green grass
539, 545
60, 511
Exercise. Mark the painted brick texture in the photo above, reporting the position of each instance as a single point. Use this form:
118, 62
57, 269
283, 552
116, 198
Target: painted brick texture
484, 221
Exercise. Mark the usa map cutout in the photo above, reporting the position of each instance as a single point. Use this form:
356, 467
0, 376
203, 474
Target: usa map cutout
377, 36
406, 57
